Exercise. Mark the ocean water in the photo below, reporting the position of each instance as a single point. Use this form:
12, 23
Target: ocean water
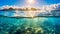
36, 25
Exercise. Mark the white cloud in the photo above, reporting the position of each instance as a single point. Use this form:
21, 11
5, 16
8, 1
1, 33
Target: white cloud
48, 10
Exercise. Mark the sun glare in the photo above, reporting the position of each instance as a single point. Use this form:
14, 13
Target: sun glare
30, 1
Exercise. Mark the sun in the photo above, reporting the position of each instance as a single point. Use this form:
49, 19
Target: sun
30, 1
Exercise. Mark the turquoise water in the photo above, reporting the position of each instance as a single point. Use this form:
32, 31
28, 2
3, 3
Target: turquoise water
37, 25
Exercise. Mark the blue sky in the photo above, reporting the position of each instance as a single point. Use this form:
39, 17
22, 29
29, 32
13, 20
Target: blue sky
22, 2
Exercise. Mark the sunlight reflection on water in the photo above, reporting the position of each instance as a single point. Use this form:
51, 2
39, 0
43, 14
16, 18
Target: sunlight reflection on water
37, 25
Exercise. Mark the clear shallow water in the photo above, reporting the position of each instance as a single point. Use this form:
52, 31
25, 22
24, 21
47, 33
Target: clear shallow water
37, 25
